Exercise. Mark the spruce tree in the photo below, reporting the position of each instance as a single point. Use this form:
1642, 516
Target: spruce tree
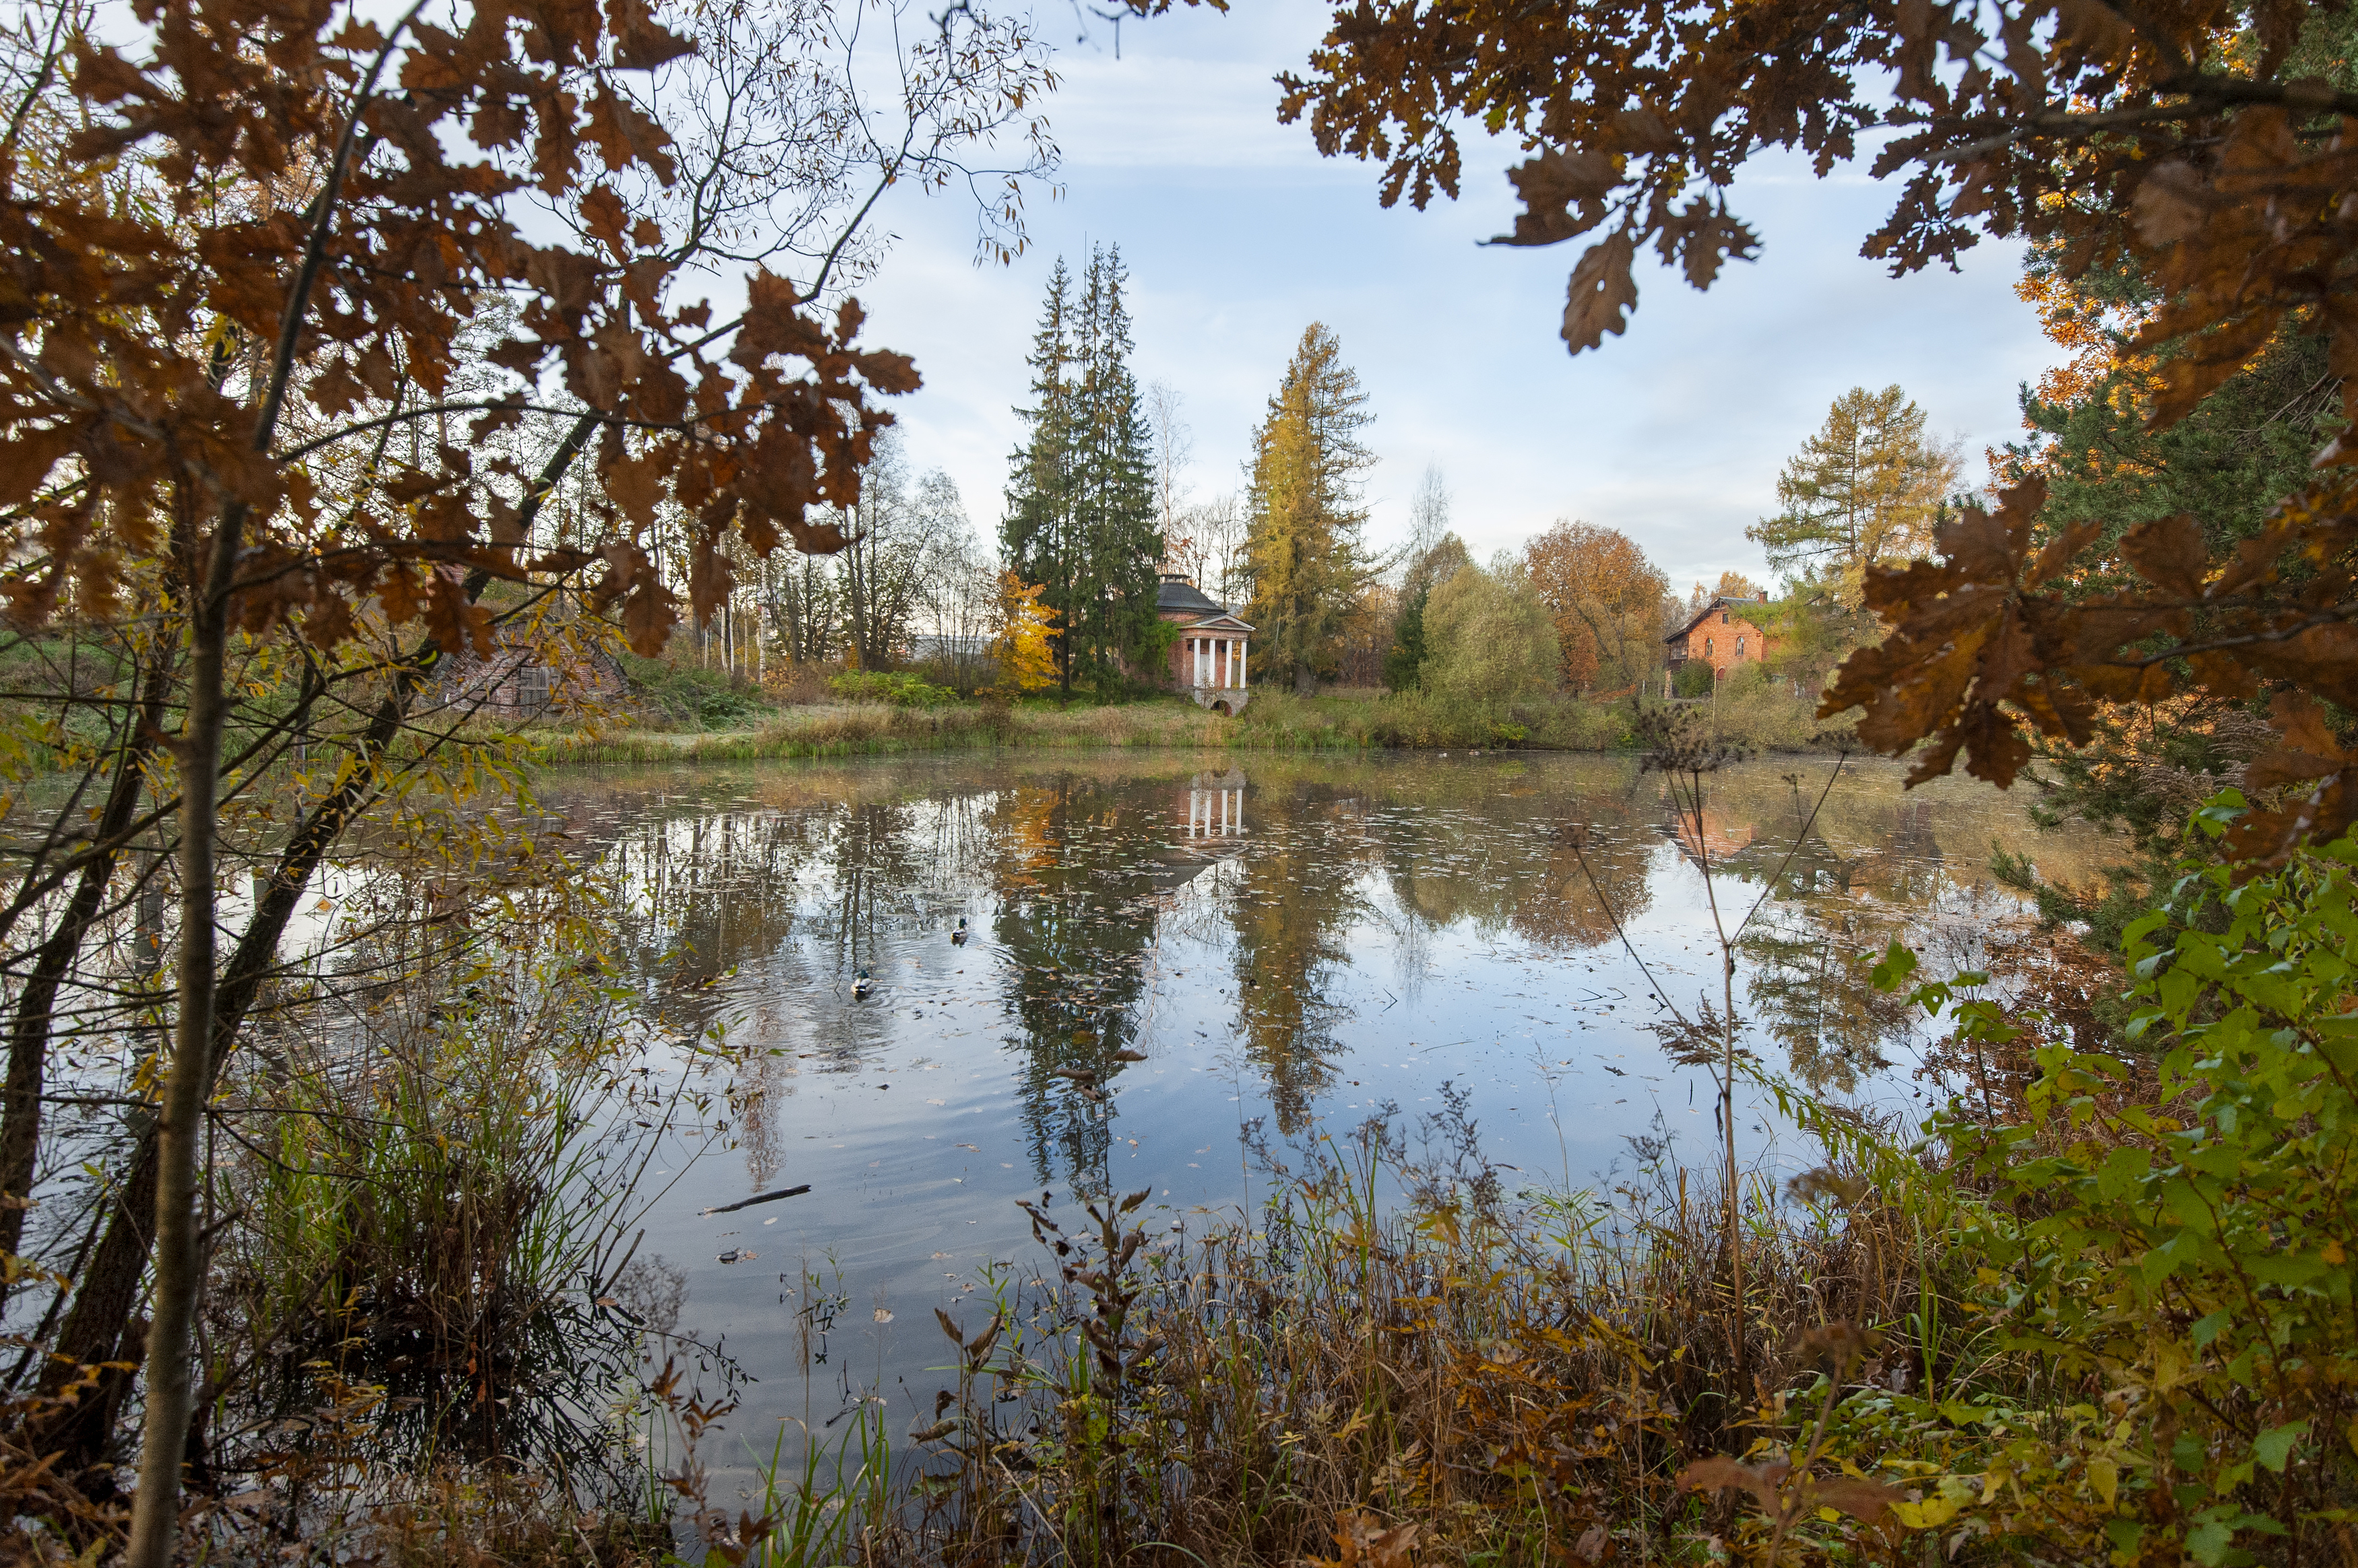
1309, 567
1118, 626
1080, 498
1037, 537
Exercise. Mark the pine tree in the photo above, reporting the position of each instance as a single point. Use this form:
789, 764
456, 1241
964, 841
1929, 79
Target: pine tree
1308, 565
1080, 499
1866, 487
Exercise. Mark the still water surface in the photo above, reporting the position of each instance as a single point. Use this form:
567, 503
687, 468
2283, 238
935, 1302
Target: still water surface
1223, 942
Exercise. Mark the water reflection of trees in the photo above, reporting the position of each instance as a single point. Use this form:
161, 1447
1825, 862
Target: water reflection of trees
1836, 883
1298, 892
1810, 988
1078, 899
1587, 883
1087, 869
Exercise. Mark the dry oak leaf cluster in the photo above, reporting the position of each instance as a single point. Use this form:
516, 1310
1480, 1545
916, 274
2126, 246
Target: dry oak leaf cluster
310, 240
1987, 644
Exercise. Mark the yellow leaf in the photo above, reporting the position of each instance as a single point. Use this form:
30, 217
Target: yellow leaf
2333, 1253
2105, 1477
1930, 1514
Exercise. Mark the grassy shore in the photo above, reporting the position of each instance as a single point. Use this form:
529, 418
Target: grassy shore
1274, 721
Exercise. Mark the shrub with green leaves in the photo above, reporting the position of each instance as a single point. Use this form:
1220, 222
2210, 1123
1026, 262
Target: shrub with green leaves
2177, 1262
899, 688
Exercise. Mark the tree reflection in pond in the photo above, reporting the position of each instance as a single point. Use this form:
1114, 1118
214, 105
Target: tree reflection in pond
1167, 947
1287, 911
1299, 891
1076, 921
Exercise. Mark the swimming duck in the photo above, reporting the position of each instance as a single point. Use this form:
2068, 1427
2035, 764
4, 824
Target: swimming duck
860, 984
957, 937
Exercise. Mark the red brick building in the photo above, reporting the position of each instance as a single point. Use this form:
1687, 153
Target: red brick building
1720, 634
1210, 658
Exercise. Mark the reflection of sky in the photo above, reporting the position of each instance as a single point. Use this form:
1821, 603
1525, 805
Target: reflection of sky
917, 1113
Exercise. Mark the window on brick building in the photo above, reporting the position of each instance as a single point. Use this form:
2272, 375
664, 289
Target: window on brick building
1739, 647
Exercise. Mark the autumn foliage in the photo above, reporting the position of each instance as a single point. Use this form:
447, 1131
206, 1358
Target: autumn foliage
1606, 599
1024, 646
231, 272
155, 354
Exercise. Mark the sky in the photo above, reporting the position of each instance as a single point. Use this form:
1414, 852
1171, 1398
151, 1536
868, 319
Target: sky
1238, 237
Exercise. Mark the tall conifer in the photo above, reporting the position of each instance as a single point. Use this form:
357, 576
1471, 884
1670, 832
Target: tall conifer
1036, 535
1080, 499
1867, 488
1309, 567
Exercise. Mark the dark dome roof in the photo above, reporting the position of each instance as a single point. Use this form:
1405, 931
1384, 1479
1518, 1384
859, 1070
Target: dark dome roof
1178, 593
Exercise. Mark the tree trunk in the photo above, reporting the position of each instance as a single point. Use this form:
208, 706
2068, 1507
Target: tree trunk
99, 1327
1305, 680
29, 1032
164, 1439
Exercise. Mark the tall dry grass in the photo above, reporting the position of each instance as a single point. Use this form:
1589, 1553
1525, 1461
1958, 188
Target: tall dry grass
1395, 1342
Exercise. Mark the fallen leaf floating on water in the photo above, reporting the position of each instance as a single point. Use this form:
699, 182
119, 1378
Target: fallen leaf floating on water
739, 1255
1081, 1075
883, 1315
1130, 1055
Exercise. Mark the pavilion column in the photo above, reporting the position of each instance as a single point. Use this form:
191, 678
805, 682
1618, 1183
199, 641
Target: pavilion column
1240, 663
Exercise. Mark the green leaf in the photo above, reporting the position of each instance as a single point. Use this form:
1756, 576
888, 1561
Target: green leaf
2208, 1541
2274, 1447
1892, 971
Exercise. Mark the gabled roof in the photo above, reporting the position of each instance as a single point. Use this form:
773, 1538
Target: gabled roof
1224, 622
1705, 613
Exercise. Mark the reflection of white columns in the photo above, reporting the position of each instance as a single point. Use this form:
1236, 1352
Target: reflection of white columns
1237, 821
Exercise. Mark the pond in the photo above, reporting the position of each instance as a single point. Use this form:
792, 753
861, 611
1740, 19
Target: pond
1169, 956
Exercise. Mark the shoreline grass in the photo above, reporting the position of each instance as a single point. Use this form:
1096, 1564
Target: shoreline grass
1274, 721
